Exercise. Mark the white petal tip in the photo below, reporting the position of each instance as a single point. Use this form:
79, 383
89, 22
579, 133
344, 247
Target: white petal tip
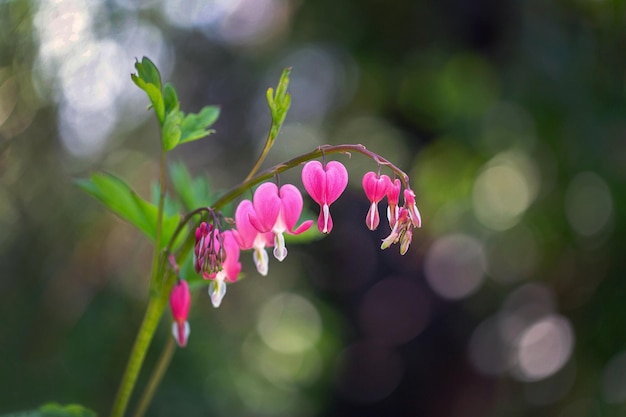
217, 291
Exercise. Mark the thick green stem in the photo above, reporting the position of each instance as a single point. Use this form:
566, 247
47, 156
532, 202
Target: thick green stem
156, 377
159, 294
149, 324
156, 258
318, 152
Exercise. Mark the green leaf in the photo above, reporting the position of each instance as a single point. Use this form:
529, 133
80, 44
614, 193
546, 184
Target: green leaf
55, 410
196, 125
192, 192
149, 80
171, 132
114, 193
171, 206
170, 98
148, 72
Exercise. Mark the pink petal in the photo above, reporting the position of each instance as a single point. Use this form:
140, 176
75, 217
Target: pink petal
375, 186
314, 180
291, 200
180, 330
336, 181
231, 265
393, 193
306, 225
373, 219
246, 233
325, 221
266, 204
180, 300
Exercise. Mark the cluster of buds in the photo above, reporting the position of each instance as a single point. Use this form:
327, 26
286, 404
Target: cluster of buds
216, 258
401, 219
208, 252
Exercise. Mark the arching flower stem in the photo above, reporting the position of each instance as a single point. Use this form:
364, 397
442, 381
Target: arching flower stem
292, 163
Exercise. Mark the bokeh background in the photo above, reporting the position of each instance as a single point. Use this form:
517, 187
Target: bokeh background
510, 117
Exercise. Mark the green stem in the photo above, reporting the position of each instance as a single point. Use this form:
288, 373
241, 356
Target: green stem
318, 152
156, 258
157, 375
159, 296
149, 324
268, 145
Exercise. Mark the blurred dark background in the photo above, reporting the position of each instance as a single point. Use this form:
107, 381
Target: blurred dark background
509, 116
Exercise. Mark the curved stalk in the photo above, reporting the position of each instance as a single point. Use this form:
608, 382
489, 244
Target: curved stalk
321, 150
155, 379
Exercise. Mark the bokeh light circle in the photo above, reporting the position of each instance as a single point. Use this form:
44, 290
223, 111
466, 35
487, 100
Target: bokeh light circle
455, 266
289, 323
504, 189
543, 348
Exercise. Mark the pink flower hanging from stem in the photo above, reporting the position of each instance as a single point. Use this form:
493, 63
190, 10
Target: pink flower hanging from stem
248, 237
278, 211
180, 300
376, 187
393, 199
324, 184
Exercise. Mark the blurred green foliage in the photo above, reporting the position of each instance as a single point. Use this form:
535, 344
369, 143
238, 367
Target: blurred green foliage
509, 116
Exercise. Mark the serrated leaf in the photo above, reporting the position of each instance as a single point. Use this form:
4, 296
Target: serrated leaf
171, 132
196, 125
115, 194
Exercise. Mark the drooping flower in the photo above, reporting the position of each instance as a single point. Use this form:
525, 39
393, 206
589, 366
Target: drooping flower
408, 219
393, 198
180, 300
401, 232
278, 211
411, 206
248, 237
229, 267
376, 187
324, 184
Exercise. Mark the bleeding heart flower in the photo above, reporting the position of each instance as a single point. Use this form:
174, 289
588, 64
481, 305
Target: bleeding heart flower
324, 184
278, 212
376, 188
248, 237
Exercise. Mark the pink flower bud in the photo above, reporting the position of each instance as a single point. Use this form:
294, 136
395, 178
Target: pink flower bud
180, 300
